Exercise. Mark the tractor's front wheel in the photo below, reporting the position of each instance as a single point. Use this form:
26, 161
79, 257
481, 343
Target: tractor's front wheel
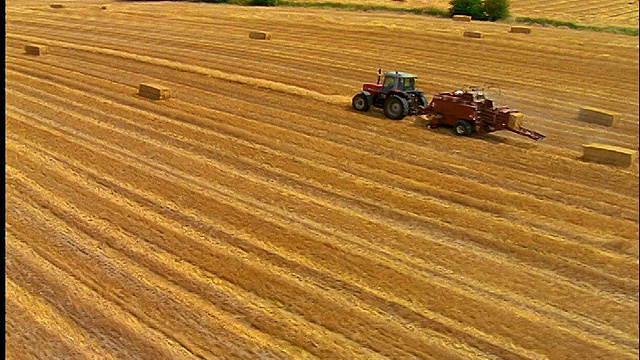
396, 107
462, 128
360, 102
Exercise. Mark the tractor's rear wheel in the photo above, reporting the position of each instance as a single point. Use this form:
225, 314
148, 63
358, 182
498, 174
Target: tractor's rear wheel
396, 107
360, 102
462, 128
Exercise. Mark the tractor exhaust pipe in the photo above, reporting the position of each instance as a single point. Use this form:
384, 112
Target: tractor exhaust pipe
379, 75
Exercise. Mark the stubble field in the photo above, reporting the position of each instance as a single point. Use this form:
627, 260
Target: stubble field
584, 12
255, 215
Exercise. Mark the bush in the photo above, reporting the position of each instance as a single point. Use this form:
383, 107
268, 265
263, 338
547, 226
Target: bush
480, 9
496, 9
471, 8
263, 2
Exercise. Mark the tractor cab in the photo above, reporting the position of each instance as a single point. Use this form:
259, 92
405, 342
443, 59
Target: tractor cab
398, 81
392, 81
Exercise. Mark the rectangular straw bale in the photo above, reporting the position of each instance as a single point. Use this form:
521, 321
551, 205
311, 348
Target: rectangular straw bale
57, 6
259, 35
465, 18
153, 91
608, 154
520, 30
598, 116
515, 121
35, 49
473, 34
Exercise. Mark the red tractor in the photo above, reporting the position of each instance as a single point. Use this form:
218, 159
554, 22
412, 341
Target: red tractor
397, 95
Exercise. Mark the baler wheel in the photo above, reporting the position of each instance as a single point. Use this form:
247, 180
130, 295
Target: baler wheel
462, 128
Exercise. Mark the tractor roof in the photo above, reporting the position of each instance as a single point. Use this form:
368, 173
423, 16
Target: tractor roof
399, 74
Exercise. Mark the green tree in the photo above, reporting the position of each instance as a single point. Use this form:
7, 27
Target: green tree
496, 9
471, 8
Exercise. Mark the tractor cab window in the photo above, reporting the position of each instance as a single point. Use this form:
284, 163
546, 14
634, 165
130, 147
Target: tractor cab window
408, 84
388, 83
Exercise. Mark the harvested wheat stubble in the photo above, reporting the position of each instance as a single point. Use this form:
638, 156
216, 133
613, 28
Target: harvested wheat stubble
57, 6
598, 116
520, 30
607, 154
465, 18
473, 34
198, 178
153, 91
259, 35
35, 49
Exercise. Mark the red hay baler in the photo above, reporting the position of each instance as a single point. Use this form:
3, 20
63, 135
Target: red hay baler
470, 112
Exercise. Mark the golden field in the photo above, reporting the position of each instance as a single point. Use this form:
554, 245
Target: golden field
585, 12
254, 214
